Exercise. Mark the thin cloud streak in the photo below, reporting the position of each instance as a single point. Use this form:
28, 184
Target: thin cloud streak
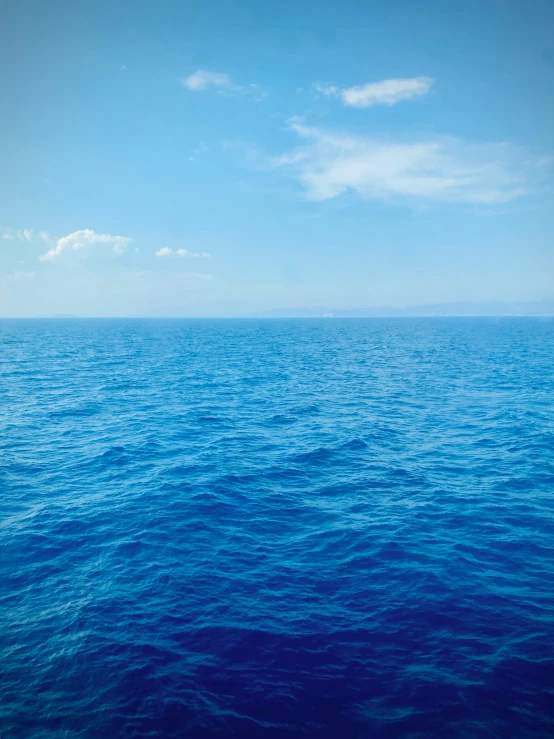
385, 92
167, 252
222, 83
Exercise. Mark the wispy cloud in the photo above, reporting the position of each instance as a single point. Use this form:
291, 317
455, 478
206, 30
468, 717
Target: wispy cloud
328, 164
202, 79
198, 151
385, 92
80, 239
25, 234
186, 253
167, 252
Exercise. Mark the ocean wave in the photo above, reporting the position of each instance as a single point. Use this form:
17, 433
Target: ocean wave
278, 529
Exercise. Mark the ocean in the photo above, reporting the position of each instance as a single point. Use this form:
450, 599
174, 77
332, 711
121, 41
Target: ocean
277, 528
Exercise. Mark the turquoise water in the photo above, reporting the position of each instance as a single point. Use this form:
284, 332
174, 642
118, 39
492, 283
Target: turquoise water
280, 528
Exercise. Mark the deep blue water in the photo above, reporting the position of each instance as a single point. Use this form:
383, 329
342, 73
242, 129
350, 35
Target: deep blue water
280, 528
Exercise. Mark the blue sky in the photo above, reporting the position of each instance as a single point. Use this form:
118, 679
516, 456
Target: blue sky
225, 158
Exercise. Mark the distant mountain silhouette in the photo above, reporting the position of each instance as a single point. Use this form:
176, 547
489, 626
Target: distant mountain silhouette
536, 308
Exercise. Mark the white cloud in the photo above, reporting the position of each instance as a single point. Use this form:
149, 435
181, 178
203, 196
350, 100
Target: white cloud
201, 79
167, 252
44, 236
8, 237
80, 239
386, 92
329, 164
222, 83
187, 253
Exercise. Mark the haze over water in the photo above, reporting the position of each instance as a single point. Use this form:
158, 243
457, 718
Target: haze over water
280, 528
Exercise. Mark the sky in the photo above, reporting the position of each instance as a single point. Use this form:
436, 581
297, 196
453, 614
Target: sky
220, 158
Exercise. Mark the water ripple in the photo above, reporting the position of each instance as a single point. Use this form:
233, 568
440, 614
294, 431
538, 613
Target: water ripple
277, 529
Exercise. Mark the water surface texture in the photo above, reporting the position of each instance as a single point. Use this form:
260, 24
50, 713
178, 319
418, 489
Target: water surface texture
281, 528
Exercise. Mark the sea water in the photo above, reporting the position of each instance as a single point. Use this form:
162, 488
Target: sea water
277, 528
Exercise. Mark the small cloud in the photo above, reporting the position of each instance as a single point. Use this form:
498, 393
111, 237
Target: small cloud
80, 239
8, 237
123, 67
198, 151
25, 235
385, 92
328, 90
202, 79
187, 253
44, 236
167, 252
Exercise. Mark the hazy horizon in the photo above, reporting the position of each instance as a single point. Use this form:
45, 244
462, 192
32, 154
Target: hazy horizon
538, 309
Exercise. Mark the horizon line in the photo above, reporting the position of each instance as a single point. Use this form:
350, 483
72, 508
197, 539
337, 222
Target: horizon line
271, 318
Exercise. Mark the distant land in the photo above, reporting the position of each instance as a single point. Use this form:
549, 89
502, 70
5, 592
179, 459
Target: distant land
544, 308
538, 308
